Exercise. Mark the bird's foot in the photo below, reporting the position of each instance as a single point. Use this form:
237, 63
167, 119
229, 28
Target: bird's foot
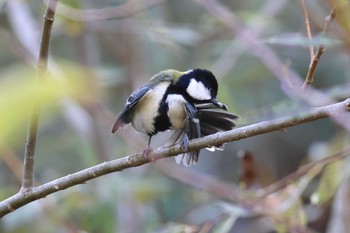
185, 142
147, 154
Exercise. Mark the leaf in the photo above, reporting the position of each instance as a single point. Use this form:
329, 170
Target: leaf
330, 180
292, 218
285, 206
334, 172
20, 90
342, 9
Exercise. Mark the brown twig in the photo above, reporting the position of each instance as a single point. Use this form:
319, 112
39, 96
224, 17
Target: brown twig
268, 57
307, 27
218, 188
312, 67
280, 184
232, 52
22, 198
29, 154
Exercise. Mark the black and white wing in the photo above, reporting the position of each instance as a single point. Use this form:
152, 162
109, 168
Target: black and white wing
213, 120
202, 120
124, 117
190, 131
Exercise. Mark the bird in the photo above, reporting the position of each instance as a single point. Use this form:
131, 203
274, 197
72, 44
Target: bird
182, 101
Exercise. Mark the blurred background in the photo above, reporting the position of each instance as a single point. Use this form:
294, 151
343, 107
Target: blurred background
112, 47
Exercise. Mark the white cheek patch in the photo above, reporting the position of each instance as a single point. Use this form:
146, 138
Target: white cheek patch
198, 91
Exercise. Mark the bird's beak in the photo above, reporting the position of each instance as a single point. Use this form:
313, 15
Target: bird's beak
218, 104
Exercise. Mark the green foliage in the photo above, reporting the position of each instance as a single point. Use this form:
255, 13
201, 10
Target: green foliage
19, 95
342, 11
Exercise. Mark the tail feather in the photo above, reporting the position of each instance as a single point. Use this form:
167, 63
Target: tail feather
211, 120
207, 130
214, 120
189, 158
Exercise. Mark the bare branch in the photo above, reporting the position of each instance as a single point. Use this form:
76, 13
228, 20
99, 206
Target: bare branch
232, 52
216, 187
29, 154
268, 57
280, 184
22, 198
307, 27
292, 88
312, 68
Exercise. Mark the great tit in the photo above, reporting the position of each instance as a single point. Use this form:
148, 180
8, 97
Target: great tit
181, 101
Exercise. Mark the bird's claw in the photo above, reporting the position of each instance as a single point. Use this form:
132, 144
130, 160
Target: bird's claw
184, 146
147, 154
185, 142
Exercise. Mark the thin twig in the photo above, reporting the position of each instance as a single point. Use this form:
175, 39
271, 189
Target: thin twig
216, 187
312, 67
307, 27
232, 52
20, 199
266, 55
270, 59
29, 154
280, 184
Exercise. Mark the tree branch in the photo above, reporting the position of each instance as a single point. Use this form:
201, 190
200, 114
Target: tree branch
221, 189
22, 198
307, 27
301, 171
312, 68
29, 153
266, 55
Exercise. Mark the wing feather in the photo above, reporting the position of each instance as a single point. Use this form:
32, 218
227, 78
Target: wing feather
215, 120
124, 117
191, 131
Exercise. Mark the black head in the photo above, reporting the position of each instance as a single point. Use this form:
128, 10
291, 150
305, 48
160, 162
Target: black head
199, 84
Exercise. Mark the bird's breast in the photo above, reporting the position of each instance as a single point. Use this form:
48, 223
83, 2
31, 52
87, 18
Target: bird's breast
176, 111
146, 110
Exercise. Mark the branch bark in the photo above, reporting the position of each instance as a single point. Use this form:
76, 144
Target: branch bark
22, 198
290, 81
29, 153
282, 183
314, 60
307, 27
